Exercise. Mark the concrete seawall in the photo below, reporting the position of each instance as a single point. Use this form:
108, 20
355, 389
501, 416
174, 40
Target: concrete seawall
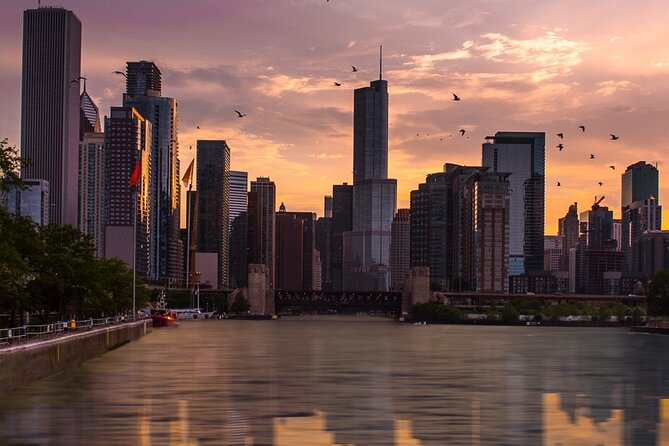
20, 365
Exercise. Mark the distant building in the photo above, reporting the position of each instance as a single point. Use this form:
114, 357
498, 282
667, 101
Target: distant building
50, 104
640, 216
92, 191
327, 206
238, 255
324, 247
400, 251
261, 226
366, 248
342, 221
486, 235
639, 182
213, 193
652, 252
522, 154
568, 228
289, 250
553, 252
143, 91
128, 145
32, 202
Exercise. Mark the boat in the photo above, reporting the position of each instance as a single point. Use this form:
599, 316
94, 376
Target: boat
162, 316
193, 313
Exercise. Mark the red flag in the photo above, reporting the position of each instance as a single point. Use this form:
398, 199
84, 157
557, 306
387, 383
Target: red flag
135, 175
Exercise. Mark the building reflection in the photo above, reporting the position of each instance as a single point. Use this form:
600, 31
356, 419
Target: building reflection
559, 429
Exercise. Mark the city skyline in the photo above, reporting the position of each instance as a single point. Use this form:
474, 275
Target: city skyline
536, 68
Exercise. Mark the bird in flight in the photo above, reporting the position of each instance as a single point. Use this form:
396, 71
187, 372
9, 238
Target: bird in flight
612, 167
198, 127
354, 68
462, 132
337, 84
121, 73
455, 97
582, 127
560, 135
77, 79
239, 114
592, 156
614, 137
600, 184
560, 146
558, 183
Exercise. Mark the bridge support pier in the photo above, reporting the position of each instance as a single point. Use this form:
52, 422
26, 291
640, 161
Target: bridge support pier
261, 297
416, 288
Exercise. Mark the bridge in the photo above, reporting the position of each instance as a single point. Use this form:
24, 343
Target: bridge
387, 302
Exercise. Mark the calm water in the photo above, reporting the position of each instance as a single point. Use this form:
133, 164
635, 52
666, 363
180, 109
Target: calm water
336, 380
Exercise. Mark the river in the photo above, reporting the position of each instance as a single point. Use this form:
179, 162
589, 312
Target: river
355, 380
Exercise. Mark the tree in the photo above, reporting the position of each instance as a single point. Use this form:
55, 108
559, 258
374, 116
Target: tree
658, 294
10, 166
241, 304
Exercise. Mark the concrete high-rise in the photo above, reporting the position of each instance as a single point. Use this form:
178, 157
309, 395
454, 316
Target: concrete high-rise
144, 92
50, 105
568, 228
522, 154
213, 194
238, 255
289, 250
400, 251
262, 226
128, 144
366, 258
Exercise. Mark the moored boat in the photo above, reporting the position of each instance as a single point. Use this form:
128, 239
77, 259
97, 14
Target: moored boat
162, 316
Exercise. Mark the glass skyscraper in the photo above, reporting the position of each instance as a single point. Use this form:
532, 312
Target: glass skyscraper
522, 154
366, 249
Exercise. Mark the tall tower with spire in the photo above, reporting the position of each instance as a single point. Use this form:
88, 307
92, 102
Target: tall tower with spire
366, 255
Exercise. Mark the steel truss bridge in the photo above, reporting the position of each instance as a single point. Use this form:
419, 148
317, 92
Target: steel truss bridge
339, 301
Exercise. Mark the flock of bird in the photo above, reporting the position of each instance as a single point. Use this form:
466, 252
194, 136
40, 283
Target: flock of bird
462, 131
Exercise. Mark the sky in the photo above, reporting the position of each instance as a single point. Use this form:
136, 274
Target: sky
518, 65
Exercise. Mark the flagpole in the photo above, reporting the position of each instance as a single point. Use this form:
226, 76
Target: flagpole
188, 205
134, 254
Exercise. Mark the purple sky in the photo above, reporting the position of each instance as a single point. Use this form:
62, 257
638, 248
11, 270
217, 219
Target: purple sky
518, 65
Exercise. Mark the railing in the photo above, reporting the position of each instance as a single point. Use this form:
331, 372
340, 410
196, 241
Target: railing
32, 332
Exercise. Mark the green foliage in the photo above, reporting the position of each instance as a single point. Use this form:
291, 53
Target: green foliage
435, 285
435, 312
10, 166
509, 313
658, 294
241, 304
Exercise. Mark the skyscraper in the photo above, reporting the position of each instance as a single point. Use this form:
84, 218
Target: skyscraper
50, 105
639, 182
91, 187
486, 234
143, 91
238, 256
366, 258
342, 221
289, 250
261, 225
32, 202
128, 146
213, 194
399, 248
568, 227
522, 154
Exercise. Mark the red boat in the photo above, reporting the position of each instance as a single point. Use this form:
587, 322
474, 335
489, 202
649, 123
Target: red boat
162, 316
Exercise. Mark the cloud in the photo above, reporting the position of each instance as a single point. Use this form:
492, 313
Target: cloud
351, 44
328, 156
427, 61
279, 84
608, 88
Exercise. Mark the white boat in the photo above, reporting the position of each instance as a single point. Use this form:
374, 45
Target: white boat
193, 313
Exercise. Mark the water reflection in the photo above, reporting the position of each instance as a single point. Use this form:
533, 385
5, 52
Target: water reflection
362, 382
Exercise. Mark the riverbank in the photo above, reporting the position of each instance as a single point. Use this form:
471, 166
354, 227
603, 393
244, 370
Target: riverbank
22, 364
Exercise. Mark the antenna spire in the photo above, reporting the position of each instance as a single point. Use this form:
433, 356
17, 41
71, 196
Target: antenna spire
380, 62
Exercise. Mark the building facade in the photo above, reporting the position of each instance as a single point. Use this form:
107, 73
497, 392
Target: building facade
128, 208
262, 226
50, 104
400, 248
238, 255
32, 202
342, 222
640, 181
523, 155
213, 194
